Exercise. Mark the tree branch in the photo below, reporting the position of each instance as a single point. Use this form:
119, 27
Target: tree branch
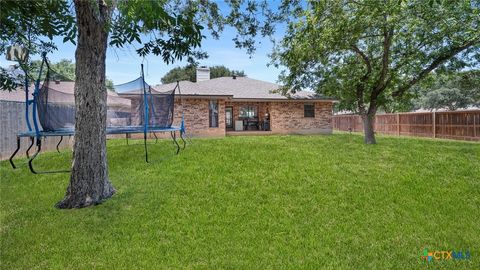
381, 83
365, 59
435, 63
360, 102
361, 85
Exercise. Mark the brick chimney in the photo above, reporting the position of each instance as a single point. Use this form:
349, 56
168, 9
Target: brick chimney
203, 73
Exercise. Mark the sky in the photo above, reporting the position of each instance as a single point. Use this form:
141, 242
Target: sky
123, 65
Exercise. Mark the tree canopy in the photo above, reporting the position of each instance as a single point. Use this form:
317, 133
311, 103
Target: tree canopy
370, 54
452, 91
65, 69
171, 30
32, 26
188, 73
28, 23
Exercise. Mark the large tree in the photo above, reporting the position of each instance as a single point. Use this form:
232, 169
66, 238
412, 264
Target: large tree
171, 30
174, 36
188, 73
369, 53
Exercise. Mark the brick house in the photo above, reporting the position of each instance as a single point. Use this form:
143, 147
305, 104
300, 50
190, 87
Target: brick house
225, 106
241, 105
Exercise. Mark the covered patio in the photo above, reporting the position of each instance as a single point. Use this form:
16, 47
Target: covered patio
246, 117
249, 133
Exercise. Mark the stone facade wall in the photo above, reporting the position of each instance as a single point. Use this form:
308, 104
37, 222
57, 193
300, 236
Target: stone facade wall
196, 113
288, 117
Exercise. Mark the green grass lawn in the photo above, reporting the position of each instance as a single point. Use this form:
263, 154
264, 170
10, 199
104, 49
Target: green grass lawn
273, 202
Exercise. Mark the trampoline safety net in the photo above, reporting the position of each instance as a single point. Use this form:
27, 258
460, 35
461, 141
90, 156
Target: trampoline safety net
56, 105
159, 105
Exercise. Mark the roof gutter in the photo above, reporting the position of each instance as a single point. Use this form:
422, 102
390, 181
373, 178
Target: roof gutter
204, 96
283, 99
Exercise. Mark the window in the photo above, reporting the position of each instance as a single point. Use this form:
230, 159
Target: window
309, 110
248, 112
213, 113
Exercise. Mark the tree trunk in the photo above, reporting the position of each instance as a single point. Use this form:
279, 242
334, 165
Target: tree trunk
89, 183
368, 121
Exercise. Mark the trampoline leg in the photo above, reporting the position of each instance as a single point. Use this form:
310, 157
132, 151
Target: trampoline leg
32, 140
186, 136
183, 140
174, 137
61, 139
156, 138
145, 145
14, 153
30, 161
126, 137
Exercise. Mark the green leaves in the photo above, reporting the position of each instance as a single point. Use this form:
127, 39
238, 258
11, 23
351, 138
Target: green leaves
8, 80
452, 90
188, 73
29, 21
171, 33
32, 25
369, 54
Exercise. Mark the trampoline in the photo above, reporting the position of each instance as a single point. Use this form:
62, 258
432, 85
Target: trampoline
139, 109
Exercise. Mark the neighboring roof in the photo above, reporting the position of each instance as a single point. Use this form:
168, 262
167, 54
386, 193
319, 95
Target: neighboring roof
64, 87
469, 108
239, 88
16, 95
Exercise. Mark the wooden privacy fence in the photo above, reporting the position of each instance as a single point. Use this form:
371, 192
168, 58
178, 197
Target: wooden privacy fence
458, 125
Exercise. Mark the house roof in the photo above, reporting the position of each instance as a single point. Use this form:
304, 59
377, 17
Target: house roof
239, 88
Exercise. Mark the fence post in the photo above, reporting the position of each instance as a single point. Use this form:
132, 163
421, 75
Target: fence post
398, 124
474, 126
434, 125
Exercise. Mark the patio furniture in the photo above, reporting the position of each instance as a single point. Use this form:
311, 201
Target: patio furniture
266, 125
238, 125
252, 124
